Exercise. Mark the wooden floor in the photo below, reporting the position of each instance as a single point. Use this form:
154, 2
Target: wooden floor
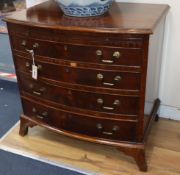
163, 151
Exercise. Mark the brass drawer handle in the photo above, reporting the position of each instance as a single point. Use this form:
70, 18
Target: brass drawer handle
108, 108
39, 67
107, 133
116, 55
115, 128
39, 117
34, 46
37, 92
99, 126
116, 79
108, 61
115, 103
23, 43
100, 77
99, 53
108, 84
43, 115
40, 92
28, 65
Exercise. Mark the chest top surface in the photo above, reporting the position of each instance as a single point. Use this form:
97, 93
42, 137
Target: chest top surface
121, 18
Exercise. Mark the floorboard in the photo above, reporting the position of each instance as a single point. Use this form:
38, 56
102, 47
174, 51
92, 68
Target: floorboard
163, 151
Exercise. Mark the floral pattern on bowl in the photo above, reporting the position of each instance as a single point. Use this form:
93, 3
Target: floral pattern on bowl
84, 8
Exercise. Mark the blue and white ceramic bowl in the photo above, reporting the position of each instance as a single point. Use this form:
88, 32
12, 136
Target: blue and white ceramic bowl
84, 8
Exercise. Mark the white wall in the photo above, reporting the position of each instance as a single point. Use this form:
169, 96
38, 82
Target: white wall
170, 74
30, 3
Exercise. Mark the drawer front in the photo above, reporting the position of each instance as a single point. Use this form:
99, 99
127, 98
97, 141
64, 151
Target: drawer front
82, 53
101, 128
106, 129
117, 40
89, 77
107, 103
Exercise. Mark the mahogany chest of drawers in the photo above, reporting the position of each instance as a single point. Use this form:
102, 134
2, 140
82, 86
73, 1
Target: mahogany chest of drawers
97, 78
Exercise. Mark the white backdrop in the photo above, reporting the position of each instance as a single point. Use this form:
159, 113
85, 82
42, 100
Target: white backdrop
33, 2
170, 75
